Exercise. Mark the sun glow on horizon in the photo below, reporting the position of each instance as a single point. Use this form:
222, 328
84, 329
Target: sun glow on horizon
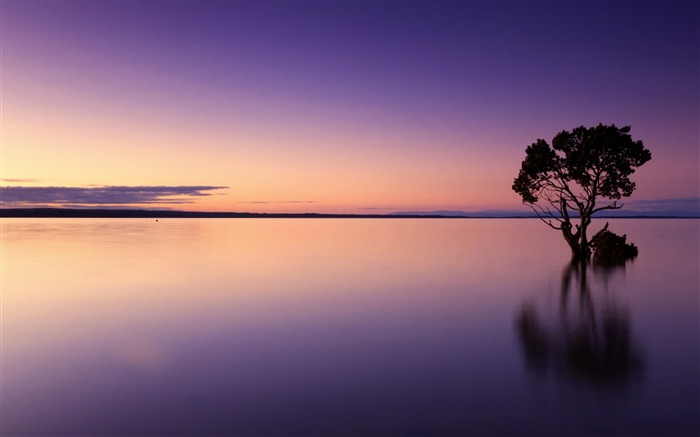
295, 115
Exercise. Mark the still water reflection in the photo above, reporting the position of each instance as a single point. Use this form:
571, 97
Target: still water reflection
344, 327
589, 340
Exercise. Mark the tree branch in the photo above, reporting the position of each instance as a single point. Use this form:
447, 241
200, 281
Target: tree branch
540, 211
613, 206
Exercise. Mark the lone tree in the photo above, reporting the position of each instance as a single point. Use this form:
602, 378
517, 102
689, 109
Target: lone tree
565, 180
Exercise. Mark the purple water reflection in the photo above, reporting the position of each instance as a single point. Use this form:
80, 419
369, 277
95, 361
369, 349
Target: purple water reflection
339, 327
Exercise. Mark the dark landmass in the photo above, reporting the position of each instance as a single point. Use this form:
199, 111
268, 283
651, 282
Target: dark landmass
472, 214
531, 214
146, 213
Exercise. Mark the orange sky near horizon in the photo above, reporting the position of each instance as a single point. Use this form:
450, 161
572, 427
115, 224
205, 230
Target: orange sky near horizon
295, 115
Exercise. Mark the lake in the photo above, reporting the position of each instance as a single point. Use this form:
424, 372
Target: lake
345, 327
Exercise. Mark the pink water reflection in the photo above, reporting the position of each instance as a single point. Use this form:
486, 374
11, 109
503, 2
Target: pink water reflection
293, 326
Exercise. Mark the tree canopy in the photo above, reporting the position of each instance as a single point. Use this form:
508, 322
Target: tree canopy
574, 172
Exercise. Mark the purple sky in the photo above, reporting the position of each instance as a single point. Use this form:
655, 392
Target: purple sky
341, 106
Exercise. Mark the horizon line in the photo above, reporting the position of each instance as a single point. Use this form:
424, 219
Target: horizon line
53, 212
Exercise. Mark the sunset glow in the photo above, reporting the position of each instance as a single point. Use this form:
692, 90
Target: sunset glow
337, 107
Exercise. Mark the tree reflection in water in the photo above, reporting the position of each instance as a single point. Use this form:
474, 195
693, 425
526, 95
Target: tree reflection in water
588, 339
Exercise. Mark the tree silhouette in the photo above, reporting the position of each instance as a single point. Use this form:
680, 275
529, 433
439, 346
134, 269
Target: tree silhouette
566, 179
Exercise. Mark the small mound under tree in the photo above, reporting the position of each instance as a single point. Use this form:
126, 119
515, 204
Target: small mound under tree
564, 182
610, 249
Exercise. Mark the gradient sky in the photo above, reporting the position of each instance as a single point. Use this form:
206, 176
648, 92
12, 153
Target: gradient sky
332, 106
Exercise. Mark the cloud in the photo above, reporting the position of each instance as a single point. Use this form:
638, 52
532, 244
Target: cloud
101, 195
18, 180
678, 203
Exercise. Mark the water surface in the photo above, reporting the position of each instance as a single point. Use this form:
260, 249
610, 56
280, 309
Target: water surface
344, 327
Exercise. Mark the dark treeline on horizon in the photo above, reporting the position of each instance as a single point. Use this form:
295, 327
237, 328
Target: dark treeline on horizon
147, 213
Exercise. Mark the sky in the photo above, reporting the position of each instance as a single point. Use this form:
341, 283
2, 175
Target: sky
335, 106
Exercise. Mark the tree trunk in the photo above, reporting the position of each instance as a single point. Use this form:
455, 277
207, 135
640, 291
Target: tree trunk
578, 241
576, 255
573, 241
583, 237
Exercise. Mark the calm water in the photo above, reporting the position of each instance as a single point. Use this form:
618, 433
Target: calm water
353, 327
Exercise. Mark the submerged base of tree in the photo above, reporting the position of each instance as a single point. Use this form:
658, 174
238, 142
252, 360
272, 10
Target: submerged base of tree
611, 249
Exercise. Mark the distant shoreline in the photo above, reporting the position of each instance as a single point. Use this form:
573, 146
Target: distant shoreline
157, 214
144, 213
